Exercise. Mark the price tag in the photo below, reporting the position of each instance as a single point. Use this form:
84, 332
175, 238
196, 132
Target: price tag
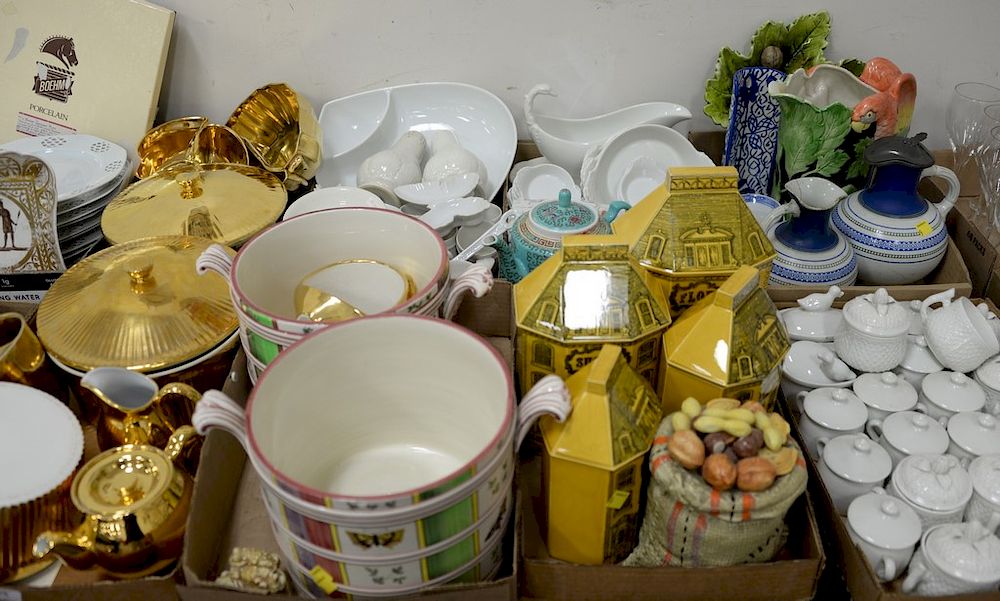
9, 594
618, 499
323, 579
924, 228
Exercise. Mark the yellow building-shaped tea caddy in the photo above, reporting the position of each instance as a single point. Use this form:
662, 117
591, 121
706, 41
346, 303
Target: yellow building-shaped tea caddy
729, 344
592, 465
590, 293
693, 232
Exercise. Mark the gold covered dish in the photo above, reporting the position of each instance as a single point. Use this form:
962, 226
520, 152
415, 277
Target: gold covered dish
139, 305
136, 502
222, 202
189, 139
282, 132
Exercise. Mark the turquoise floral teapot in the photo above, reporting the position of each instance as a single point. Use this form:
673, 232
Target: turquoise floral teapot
537, 234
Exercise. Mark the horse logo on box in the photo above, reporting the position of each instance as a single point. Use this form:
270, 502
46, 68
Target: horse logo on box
52, 81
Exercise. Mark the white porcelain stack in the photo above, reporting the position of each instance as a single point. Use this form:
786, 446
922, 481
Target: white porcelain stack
90, 172
897, 404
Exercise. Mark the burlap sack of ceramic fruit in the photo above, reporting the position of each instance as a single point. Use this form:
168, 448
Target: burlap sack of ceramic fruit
688, 523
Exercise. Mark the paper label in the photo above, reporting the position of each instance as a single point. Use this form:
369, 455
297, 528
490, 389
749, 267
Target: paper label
618, 499
36, 126
321, 577
9, 594
924, 228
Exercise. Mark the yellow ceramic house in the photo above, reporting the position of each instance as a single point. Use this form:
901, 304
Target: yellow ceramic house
693, 232
592, 467
589, 293
729, 344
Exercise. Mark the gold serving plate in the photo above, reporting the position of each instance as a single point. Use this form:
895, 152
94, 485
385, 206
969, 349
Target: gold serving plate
136, 502
282, 131
224, 203
693, 232
590, 293
191, 140
730, 344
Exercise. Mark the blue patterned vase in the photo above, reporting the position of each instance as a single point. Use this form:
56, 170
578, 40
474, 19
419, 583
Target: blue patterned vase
752, 136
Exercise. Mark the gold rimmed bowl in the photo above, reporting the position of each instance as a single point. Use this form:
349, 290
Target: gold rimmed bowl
282, 132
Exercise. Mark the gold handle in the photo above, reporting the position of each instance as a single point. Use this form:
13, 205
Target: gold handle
181, 438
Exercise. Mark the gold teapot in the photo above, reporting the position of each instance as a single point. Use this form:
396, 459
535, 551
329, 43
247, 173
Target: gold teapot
136, 502
134, 410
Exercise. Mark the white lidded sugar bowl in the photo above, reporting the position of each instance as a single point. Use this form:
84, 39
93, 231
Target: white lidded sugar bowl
809, 365
884, 394
815, 318
850, 466
873, 335
988, 376
954, 559
934, 486
973, 434
886, 530
828, 413
908, 433
945, 393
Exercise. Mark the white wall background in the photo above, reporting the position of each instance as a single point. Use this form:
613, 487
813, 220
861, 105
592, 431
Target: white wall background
597, 54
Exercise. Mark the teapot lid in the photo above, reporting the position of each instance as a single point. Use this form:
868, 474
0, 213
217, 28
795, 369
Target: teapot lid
966, 551
563, 216
883, 521
877, 314
975, 431
123, 480
935, 482
985, 472
898, 150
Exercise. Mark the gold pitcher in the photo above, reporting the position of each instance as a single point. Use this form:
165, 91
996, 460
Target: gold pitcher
136, 502
22, 358
134, 410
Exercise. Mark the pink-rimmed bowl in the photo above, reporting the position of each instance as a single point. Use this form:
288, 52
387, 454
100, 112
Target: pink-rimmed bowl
382, 424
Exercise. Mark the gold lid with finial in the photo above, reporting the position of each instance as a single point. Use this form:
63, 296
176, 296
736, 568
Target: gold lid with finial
224, 202
139, 305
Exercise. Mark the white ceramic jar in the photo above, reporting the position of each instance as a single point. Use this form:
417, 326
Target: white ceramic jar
917, 362
985, 504
954, 559
886, 530
908, 433
828, 413
988, 376
850, 466
873, 335
884, 394
945, 393
934, 486
809, 365
973, 434
815, 318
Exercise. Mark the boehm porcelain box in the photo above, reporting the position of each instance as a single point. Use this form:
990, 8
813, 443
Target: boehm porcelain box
592, 465
693, 232
731, 344
590, 293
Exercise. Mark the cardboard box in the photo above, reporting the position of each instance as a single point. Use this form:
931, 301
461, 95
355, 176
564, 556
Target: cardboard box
979, 243
845, 558
227, 509
793, 575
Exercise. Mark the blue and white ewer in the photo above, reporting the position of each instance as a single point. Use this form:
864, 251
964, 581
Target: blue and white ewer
810, 251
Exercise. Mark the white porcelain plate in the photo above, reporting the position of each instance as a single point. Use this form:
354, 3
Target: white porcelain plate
336, 197
82, 164
41, 443
428, 193
629, 165
86, 202
356, 127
